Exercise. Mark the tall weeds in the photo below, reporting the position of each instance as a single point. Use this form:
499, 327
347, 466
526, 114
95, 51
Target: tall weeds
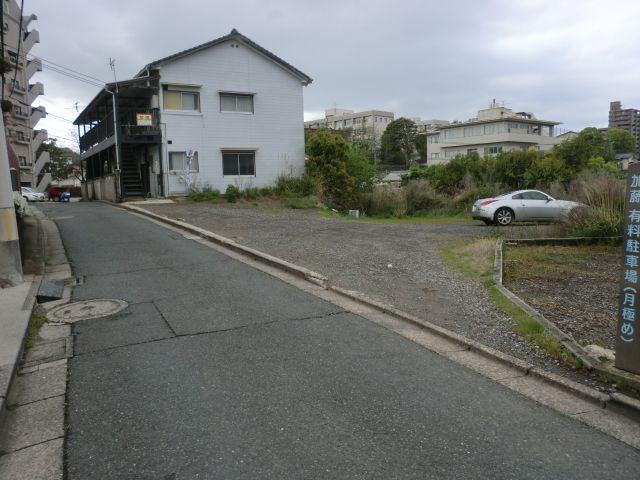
603, 215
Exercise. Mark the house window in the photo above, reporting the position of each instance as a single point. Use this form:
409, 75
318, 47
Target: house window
181, 100
20, 135
231, 102
23, 161
238, 163
17, 109
178, 161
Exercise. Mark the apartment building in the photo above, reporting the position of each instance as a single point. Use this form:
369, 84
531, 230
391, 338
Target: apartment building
227, 112
423, 126
496, 129
19, 94
371, 123
627, 119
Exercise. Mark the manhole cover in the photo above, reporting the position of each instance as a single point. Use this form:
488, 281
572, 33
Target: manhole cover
85, 310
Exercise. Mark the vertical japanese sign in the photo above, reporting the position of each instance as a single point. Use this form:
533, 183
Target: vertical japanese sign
627, 334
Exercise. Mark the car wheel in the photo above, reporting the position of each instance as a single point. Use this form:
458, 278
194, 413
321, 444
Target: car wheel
26, 198
504, 217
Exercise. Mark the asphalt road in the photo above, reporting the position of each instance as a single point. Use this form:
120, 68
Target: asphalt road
219, 371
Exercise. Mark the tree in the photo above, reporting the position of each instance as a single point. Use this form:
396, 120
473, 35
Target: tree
589, 143
63, 161
621, 141
398, 142
421, 146
328, 156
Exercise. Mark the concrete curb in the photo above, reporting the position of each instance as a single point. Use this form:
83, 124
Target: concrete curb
566, 340
302, 272
618, 402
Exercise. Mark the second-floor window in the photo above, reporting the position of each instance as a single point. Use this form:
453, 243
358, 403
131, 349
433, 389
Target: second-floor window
23, 161
234, 102
181, 100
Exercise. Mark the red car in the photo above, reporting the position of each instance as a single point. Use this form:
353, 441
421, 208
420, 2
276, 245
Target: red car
58, 195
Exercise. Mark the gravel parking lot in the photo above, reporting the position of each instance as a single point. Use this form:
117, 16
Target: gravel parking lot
397, 264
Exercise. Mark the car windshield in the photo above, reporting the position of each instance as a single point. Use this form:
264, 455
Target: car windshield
27, 189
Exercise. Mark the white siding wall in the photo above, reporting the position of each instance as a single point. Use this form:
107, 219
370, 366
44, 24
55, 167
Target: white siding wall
275, 129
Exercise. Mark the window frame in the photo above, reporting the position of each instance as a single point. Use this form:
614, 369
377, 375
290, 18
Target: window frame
182, 90
238, 153
184, 162
236, 95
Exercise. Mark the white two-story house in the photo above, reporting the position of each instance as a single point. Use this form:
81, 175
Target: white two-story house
227, 112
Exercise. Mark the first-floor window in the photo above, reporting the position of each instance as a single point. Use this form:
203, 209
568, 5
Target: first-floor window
180, 161
239, 163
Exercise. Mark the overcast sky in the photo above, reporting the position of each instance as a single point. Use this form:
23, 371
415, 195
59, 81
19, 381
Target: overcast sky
561, 60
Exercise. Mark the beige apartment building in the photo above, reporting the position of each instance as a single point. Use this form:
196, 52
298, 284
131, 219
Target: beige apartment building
369, 124
496, 129
21, 119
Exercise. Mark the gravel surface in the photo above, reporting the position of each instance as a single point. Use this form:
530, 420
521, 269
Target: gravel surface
397, 264
580, 298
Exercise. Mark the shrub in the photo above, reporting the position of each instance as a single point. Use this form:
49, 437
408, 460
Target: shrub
328, 156
232, 193
421, 196
360, 168
388, 202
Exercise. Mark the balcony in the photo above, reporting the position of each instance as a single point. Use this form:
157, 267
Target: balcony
35, 90
33, 66
137, 125
42, 160
29, 40
44, 182
37, 114
39, 136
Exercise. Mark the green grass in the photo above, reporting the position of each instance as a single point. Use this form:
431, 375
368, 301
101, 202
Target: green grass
551, 261
300, 203
35, 322
394, 220
530, 329
475, 260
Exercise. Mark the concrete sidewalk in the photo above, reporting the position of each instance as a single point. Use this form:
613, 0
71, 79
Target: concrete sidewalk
33, 383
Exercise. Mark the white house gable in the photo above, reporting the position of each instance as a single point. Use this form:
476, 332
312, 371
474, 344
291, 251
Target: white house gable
266, 120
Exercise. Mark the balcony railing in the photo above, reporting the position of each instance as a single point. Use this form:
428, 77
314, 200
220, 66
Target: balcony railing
99, 132
134, 122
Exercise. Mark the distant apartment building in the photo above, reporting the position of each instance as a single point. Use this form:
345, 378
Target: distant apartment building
627, 119
370, 124
20, 117
496, 129
423, 126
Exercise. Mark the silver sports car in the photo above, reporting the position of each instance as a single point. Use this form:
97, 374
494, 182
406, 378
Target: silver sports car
521, 205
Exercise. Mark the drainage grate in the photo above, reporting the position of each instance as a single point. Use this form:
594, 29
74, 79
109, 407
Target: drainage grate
85, 310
